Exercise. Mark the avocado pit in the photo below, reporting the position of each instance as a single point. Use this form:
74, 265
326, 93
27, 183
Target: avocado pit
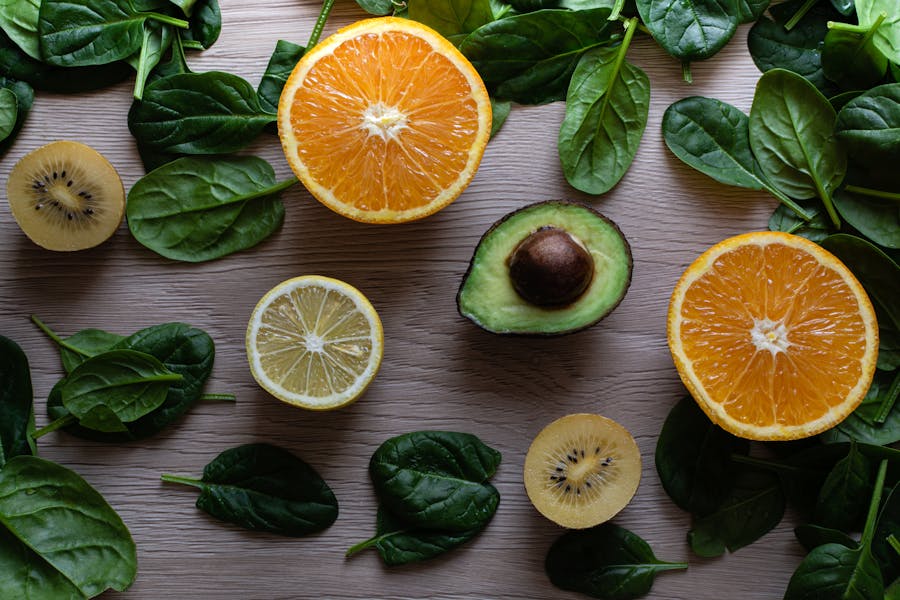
550, 268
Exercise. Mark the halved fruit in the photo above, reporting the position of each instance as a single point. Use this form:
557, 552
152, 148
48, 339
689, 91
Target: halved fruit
385, 121
581, 470
314, 342
773, 336
66, 196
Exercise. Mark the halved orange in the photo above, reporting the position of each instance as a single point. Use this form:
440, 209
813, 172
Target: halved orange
385, 121
773, 336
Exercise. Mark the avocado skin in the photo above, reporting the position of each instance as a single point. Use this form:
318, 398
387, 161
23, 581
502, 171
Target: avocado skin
551, 206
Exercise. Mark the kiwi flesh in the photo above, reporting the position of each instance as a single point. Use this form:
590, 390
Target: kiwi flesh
581, 470
66, 196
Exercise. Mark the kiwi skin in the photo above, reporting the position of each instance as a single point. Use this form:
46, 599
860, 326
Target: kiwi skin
66, 196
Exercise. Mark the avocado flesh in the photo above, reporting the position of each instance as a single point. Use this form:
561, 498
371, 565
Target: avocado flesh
487, 295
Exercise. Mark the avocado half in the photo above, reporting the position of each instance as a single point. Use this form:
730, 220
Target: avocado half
549, 268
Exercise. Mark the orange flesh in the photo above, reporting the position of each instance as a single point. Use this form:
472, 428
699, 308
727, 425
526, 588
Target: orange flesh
822, 346
380, 168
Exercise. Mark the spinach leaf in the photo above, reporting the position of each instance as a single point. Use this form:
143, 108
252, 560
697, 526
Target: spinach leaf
791, 135
205, 25
198, 113
264, 488
437, 479
870, 125
693, 459
67, 530
690, 29
157, 40
754, 507
19, 19
116, 387
500, 110
529, 58
198, 209
24, 99
9, 112
606, 113
772, 46
399, 543
377, 7
24, 574
877, 419
880, 276
73, 35
714, 138
813, 536
878, 220
842, 497
77, 348
888, 524
280, 66
16, 402
887, 34
835, 571
816, 229
606, 561
851, 61
453, 19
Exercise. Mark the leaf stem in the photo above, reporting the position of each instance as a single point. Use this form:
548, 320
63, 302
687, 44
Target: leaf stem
686, 72
860, 29
869, 528
616, 10
218, 398
873, 193
798, 210
828, 202
800, 14
888, 404
53, 426
182, 480
369, 543
320, 24
180, 23
894, 543
55, 337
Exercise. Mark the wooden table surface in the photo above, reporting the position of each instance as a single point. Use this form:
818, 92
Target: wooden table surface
439, 370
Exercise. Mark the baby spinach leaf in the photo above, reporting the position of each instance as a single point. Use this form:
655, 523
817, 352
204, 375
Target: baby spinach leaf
693, 459
24, 99
437, 479
198, 113
851, 61
19, 19
690, 29
835, 571
812, 536
77, 348
816, 229
888, 524
714, 138
870, 125
9, 112
868, 423
606, 561
887, 34
529, 58
399, 543
377, 7
753, 508
264, 488
500, 110
842, 497
791, 134
878, 220
73, 35
116, 387
16, 402
198, 209
205, 25
453, 19
798, 49
62, 520
157, 40
282, 62
606, 113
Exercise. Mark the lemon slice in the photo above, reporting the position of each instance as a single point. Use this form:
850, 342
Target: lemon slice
314, 342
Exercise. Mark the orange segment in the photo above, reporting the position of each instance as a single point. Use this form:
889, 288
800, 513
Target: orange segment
385, 121
773, 335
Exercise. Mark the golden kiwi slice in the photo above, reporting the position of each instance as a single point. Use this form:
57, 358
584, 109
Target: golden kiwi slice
581, 470
66, 196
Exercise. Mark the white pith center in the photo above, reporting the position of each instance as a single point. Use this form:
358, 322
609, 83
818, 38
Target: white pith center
769, 335
314, 343
383, 121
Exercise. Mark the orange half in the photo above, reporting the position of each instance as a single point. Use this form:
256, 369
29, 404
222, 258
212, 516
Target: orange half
385, 121
773, 336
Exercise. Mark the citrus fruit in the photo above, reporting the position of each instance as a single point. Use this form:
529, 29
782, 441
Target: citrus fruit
773, 336
314, 342
385, 121
581, 470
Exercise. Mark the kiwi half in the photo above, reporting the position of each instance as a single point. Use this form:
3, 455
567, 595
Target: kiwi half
66, 196
581, 470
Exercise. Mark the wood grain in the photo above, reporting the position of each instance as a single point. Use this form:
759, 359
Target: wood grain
439, 371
